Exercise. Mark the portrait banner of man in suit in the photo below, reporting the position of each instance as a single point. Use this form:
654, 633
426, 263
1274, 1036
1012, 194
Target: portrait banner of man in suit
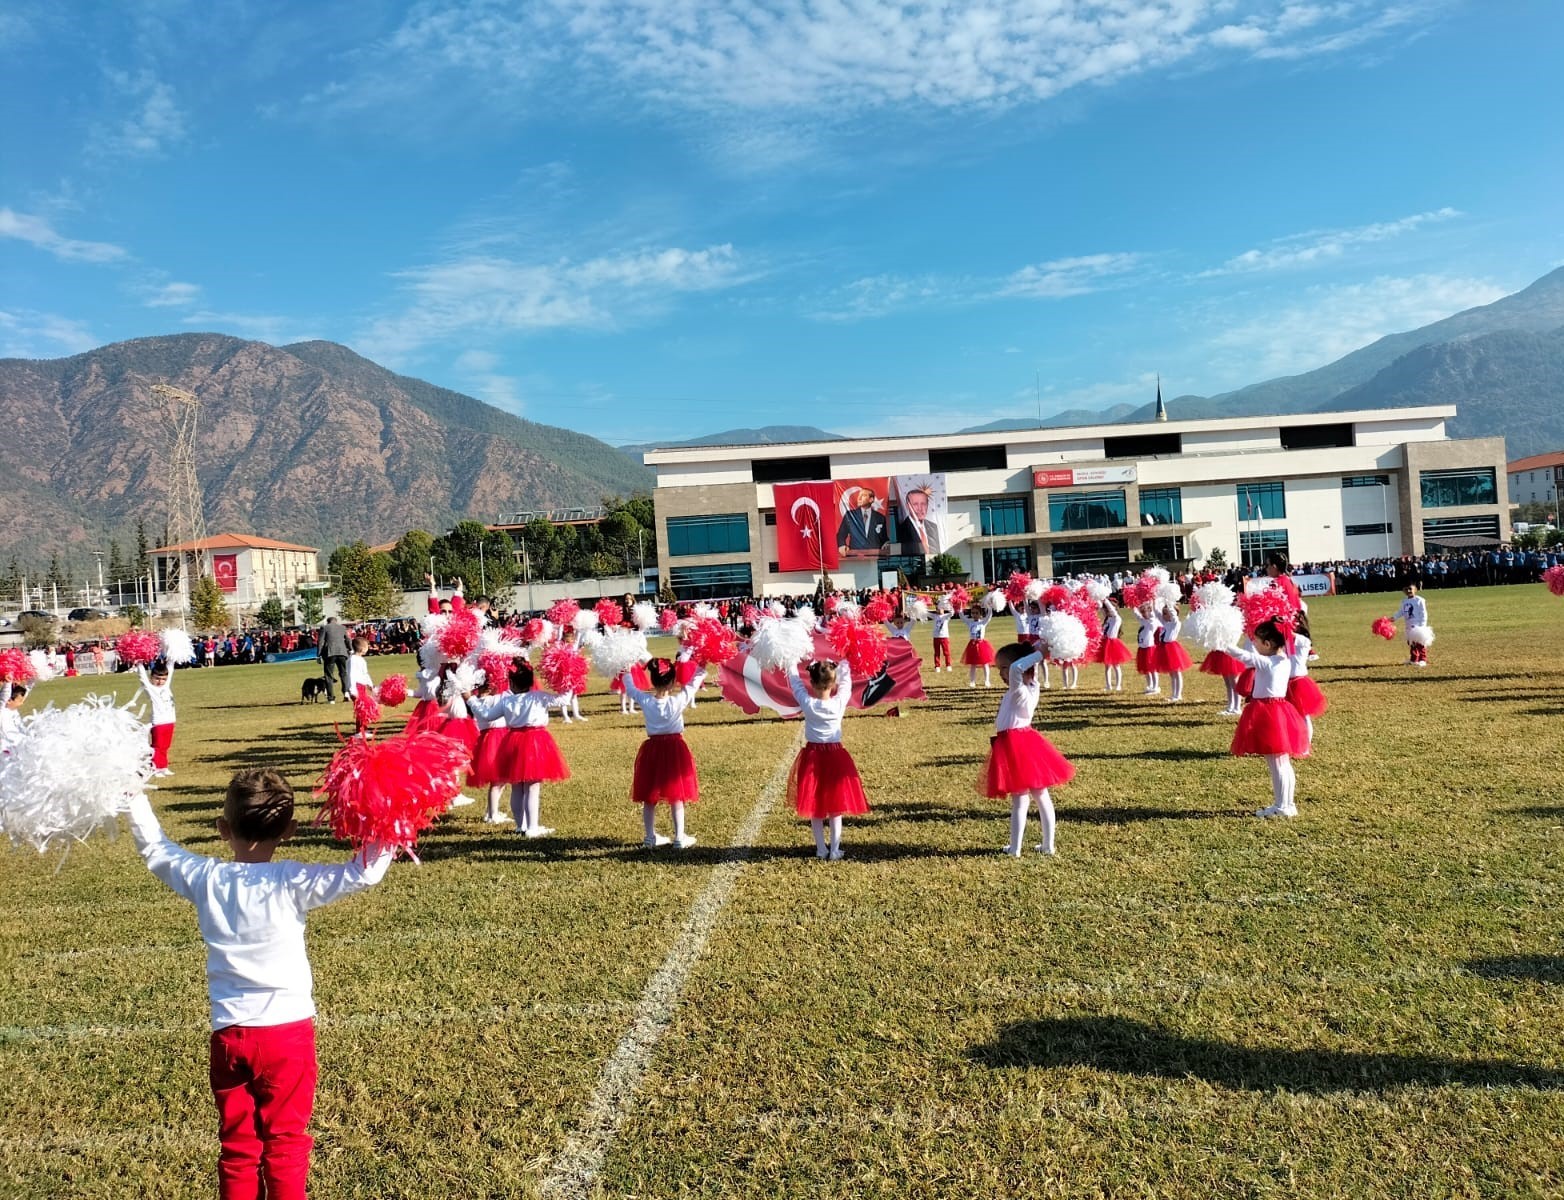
863, 530
922, 503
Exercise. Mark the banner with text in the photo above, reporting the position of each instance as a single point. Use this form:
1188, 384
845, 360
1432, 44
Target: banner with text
1063, 477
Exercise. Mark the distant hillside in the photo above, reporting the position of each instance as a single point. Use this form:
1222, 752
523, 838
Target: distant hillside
1073, 416
765, 436
310, 443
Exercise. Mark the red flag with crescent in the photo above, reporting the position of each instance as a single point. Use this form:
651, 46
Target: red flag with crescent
746, 685
806, 526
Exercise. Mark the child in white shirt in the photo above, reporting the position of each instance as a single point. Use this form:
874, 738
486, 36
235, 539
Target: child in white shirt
824, 784
160, 694
664, 768
1022, 763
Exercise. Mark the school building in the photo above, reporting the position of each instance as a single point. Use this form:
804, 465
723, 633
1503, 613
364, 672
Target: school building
1318, 486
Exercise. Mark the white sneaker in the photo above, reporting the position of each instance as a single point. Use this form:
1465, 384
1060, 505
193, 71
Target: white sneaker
1271, 810
462, 801
655, 841
538, 831
821, 852
836, 855
1044, 849
1290, 811
684, 841
1421, 664
496, 819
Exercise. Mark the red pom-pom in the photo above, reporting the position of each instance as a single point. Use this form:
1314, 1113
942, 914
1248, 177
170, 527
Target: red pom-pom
564, 670
393, 690
1015, 588
609, 614
496, 669
1135, 594
366, 709
710, 641
1384, 627
861, 644
562, 612
1554, 578
878, 611
532, 631
15, 666
388, 792
753, 615
1081, 606
667, 619
961, 599
138, 647
459, 636
1265, 605
515, 634
1058, 597
830, 603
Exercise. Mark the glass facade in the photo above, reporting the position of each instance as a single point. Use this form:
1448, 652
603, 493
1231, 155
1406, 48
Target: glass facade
1002, 561
702, 583
997, 518
725, 533
1365, 481
1466, 485
1161, 506
1254, 545
1367, 530
1164, 549
1086, 510
1261, 501
1462, 527
1097, 558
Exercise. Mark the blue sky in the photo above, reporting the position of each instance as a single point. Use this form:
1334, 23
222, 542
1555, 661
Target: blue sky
657, 218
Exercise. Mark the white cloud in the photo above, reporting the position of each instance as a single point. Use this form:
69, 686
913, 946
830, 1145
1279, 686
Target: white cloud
172, 295
1329, 322
27, 334
277, 330
1322, 247
881, 295
154, 123
1069, 276
36, 231
505, 295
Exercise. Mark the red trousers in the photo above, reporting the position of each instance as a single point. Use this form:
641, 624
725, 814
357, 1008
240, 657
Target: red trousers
162, 739
942, 648
1418, 653
263, 1079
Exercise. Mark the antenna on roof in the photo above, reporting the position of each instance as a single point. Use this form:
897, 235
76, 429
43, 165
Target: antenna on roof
1162, 409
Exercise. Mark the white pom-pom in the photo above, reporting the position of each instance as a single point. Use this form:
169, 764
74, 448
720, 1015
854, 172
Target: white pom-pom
491, 640
433, 624
779, 644
584, 621
1160, 574
43, 665
703, 611
1169, 594
848, 609
1216, 627
1098, 590
777, 609
994, 601
644, 616
1421, 635
430, 656
1064, 636
466, 677
616, 652
1035, 589
550, 632
918, 609
177, 646
806, 614
1213, 595
71, 771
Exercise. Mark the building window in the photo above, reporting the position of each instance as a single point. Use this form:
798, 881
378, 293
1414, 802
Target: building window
1093, 558
790, 470
1161, 506
913, 566
996, 518
1436, 530
1003, 561
703, 583
1261, 501
1365, 481
769, 518
1086, 510
1317, 437
1164, 549
1143, 445
1465, 485
1368, 530
1254, 545
725, 533
969, 458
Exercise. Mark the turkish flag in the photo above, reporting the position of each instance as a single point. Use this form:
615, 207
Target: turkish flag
803, 511
746, 685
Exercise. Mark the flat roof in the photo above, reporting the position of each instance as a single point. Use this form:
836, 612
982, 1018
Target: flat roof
1037, 435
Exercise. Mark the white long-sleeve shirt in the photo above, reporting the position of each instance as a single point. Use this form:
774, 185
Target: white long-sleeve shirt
514, 710
426, 684
1171, 628
251, 916
663, 714
1300, 655
358, 673
160, 695
823, 716
1146, 635
899, 631
941, 625
10, 720
1020, 699
974, 628
1272, 672
1111, 621
1414, 611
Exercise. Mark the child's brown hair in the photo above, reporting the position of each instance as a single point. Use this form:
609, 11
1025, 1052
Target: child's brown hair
258, 805
662, 673
1007, 656
822, 676
361, 645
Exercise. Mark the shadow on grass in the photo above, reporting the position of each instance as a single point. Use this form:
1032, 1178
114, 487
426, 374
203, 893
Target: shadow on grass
1538, 968
1135, 1048
1551, 812
953, 760
1109, 814
1180, 754
924, 810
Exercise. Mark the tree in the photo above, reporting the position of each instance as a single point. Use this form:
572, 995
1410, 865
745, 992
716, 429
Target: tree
364, 588
143, 551
457, 555
38, 633
410, 558
208, 608
270, 614
947, 566
1216, 559
311, 607
57, 576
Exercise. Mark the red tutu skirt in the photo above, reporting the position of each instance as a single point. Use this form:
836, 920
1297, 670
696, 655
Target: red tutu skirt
1145, 659
664, 771
1305, 695
686, 671
1271, 727
463, 729
486, 758
1028, 639
824, 782
1219, 662
530, 755
1113, 653
424, 713
1023, 760
979, 653
1244, 684
1171, 657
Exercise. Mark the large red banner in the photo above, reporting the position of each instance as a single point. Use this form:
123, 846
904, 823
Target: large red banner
225, 568
746, 685
806, 523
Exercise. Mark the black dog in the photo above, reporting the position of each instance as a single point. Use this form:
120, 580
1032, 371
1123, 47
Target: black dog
313, 690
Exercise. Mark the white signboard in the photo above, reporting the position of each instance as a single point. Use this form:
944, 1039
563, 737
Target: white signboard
1057, 477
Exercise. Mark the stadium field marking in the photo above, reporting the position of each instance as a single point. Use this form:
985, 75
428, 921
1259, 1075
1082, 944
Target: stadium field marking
575, 1170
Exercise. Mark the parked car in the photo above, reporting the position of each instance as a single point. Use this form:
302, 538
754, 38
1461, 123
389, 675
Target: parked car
34, 612
87, 614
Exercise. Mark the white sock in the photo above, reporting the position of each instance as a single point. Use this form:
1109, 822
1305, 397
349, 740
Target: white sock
518, 805
678, 819
972, 677
836, 835
1232, 693
649, 820
817, 826
496, 791
1290, 804
1018, 804
534, 794
1178, 685
1045, 814
1279, 768
985, 677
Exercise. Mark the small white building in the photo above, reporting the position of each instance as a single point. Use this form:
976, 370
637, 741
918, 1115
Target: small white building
246, 567
1537, 480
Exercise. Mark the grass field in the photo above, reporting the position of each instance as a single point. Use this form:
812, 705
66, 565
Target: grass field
1185, 1002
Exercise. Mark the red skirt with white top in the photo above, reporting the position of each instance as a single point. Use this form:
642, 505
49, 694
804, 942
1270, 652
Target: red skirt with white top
529, 755
486, 758
425, 713
979, 653
1145, 660
1271, 726
1022, 760
1113, 653
1171, 657
664, 772
1305, 695
1220, 662
824, 782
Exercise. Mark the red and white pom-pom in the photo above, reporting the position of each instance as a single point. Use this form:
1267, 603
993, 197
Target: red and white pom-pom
562, 612
393, 691
1134, 594
1057, 596
430, 625
535, 631
1063, 637
1098, 590
1037, 589
609, 613
1016, 585
618, 650
961, 599
512, 634
496, 669
806, 613
177, 646
460, 636
366, 708
1210, 595
564, 669
1156, 574
429, 657
918, 608
776, 609
1215, 627
878, 611
1169, 595
864, 646
1264, 605
781, 643
45, 665
16, 667
1421, 635
1383, 627
752, 615
667, 619
138, 647
1554, 578
710, 641
830, 604
994, 601
643, 615
385, 793
849, 609
1080, 606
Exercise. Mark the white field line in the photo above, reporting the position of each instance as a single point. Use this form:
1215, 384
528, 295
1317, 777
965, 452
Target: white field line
575, 1170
